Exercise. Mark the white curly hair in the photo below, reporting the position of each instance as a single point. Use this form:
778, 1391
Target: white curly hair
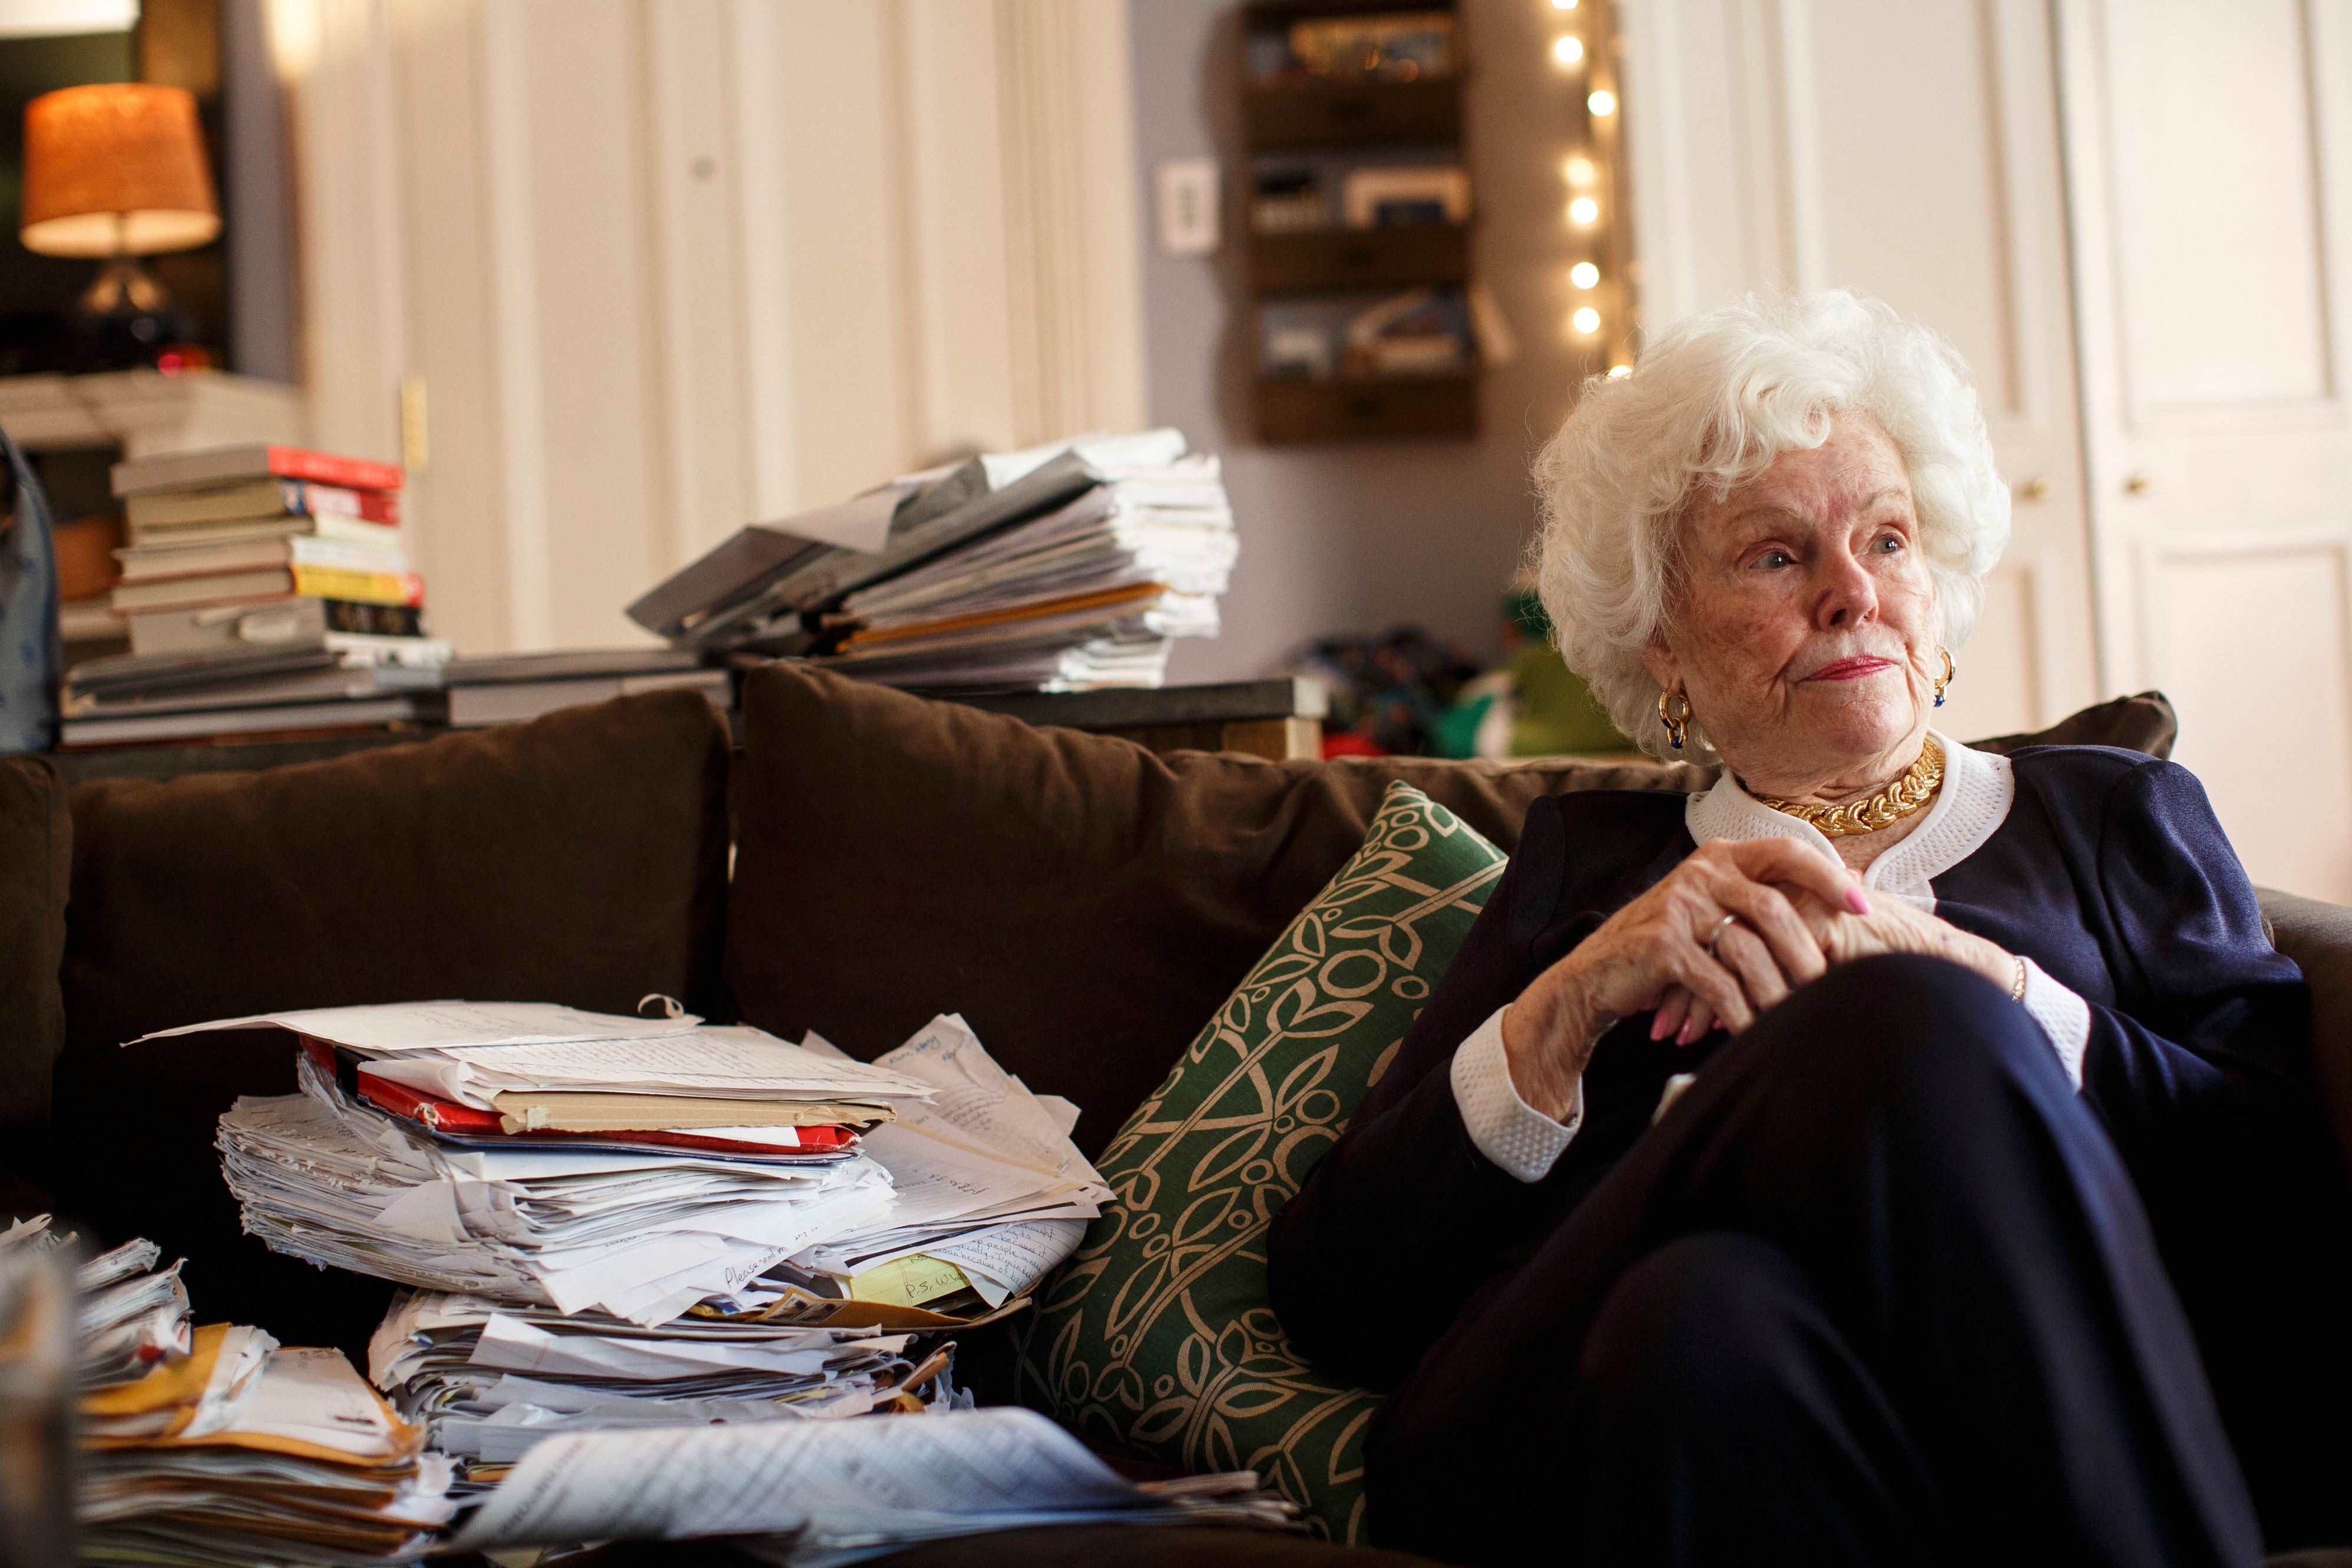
1711, 403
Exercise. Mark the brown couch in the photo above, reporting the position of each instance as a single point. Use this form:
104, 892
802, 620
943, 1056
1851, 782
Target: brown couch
1084, 903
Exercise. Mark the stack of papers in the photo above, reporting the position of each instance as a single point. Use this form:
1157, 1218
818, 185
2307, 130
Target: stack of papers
1087, 595
488, 1383
247, 1454
544, 1156
790, 1255
990, 1193
819, 1494
129, 1317
1061, 567
217, 1446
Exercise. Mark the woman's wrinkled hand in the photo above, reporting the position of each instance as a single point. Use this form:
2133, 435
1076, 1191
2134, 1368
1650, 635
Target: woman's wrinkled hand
1658, 945
1893, 926
1890, 925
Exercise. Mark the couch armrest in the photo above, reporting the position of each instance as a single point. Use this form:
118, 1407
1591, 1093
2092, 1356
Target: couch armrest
2318, 937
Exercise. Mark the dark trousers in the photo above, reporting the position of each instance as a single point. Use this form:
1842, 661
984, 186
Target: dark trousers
1877, 1290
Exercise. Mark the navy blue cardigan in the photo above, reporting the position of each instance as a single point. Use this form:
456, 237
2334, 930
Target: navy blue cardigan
2109, 871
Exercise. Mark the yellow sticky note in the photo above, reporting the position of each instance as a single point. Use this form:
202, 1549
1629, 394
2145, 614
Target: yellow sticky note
909, 1281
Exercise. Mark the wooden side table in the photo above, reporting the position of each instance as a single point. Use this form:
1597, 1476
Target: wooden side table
1281, 720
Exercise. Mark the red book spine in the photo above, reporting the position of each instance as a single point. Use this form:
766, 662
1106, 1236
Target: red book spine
309, 498
358, 473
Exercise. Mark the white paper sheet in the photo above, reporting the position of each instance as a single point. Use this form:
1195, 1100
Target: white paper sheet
314, 1396
511, 1345
736, 1062
448, 1025
667, 1483
862, 522
1015, 1256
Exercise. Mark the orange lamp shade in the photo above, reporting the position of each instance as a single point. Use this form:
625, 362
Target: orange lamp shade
115, 169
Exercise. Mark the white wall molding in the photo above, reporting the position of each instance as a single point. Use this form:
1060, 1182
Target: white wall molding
756, 86
696, 278
1070, 217
1657, 152
514, 263
353, 317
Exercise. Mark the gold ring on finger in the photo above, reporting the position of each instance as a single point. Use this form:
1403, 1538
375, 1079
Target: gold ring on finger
1716, 936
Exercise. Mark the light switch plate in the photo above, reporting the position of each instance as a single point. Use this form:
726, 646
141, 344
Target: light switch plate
1188, 207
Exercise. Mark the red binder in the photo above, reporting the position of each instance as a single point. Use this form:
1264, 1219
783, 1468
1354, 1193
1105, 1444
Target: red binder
470, 1125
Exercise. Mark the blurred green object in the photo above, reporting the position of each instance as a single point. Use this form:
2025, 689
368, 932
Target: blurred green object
1556, 712
1531, 705
1455, 732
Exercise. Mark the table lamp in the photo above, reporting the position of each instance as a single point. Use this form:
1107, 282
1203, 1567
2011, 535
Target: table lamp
117, 170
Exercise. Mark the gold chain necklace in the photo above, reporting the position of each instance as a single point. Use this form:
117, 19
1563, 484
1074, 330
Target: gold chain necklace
1898, 800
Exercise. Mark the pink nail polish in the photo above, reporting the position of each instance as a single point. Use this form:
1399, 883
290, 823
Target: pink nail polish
1683, 1035
1658, 1025
1856, 903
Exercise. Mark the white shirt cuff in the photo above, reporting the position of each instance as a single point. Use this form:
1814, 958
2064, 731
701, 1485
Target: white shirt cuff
1509, 1132
2064, 1017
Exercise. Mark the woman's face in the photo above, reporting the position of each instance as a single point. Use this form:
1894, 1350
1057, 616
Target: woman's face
1805, 628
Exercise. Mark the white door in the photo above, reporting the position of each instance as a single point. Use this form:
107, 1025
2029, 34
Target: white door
1908, 150
2209, 151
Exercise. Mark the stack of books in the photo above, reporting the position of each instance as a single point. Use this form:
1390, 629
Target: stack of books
267, 594
326, 682
216, 1446
261, 543
1061, 568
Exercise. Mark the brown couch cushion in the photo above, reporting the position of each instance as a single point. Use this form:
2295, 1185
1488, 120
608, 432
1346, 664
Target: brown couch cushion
2142, 723
2318, 937
1082, 902
36, 856
580, 859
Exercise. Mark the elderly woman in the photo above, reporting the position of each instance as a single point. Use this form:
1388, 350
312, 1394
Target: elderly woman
1897, 1153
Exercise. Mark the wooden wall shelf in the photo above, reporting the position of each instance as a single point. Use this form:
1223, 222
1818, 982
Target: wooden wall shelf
1326, 260
1356, 408
1282, 117
1307, 135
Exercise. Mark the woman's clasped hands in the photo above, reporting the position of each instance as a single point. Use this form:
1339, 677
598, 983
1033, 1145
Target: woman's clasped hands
1724, 936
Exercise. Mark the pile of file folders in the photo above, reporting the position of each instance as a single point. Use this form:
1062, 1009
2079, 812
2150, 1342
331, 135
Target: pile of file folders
1060, 568
214, 1445
615, 1223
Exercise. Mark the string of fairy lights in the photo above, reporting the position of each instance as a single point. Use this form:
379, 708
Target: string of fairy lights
1599, 304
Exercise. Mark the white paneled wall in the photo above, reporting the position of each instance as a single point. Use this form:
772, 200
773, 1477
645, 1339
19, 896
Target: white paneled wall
663, 267
2210, 155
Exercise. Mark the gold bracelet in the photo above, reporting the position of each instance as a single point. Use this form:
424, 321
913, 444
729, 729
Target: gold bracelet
2017, 991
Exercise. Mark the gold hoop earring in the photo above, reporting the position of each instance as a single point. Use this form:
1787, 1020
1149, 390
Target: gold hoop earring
1946, 677
1678, 723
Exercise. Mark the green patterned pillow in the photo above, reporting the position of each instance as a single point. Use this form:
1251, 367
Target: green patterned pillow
1157, 1337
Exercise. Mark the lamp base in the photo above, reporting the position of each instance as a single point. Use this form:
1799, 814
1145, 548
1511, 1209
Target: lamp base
126, 318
